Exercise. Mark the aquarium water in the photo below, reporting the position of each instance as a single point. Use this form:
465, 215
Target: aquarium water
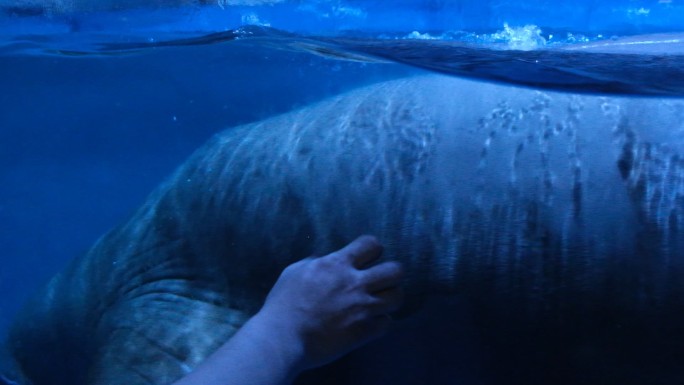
101, 100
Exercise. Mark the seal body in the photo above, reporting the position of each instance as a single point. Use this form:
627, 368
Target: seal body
545, 211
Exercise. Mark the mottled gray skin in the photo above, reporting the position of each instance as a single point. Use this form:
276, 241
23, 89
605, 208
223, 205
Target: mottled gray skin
527, 202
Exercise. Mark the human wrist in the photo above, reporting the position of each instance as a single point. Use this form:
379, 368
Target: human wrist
283, 339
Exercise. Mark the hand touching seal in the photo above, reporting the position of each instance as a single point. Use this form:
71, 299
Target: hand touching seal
333, 304
319, 309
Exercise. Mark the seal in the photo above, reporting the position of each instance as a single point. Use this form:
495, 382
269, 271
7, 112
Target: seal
531, 204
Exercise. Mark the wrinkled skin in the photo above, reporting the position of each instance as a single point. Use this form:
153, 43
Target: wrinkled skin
558, 218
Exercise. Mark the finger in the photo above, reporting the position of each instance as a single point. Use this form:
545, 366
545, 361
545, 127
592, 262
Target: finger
372, 328
387, 301
383, 276
362, 251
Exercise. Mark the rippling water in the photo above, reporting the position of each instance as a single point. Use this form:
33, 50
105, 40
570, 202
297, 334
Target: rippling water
638, 65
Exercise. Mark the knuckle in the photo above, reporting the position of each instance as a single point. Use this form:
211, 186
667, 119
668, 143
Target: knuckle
370, 240
307, 271
329, 262
356, 281
334, 260
396, 268
372, 243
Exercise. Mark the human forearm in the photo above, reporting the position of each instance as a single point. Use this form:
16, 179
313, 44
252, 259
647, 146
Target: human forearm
260, 353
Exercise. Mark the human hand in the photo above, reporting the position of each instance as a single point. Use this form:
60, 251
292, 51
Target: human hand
324, 307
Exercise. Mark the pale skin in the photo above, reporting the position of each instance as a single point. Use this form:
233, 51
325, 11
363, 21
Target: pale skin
319, 309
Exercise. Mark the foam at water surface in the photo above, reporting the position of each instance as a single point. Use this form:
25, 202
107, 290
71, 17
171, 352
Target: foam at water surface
333, 16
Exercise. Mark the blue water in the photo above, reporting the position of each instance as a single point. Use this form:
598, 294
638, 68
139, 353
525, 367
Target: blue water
99, 104
642, 65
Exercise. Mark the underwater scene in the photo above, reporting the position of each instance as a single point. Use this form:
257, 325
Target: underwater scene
162, 162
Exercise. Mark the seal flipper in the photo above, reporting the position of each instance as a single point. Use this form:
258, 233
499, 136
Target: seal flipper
158, 338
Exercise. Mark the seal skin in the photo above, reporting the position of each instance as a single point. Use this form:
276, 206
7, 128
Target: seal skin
546, 211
